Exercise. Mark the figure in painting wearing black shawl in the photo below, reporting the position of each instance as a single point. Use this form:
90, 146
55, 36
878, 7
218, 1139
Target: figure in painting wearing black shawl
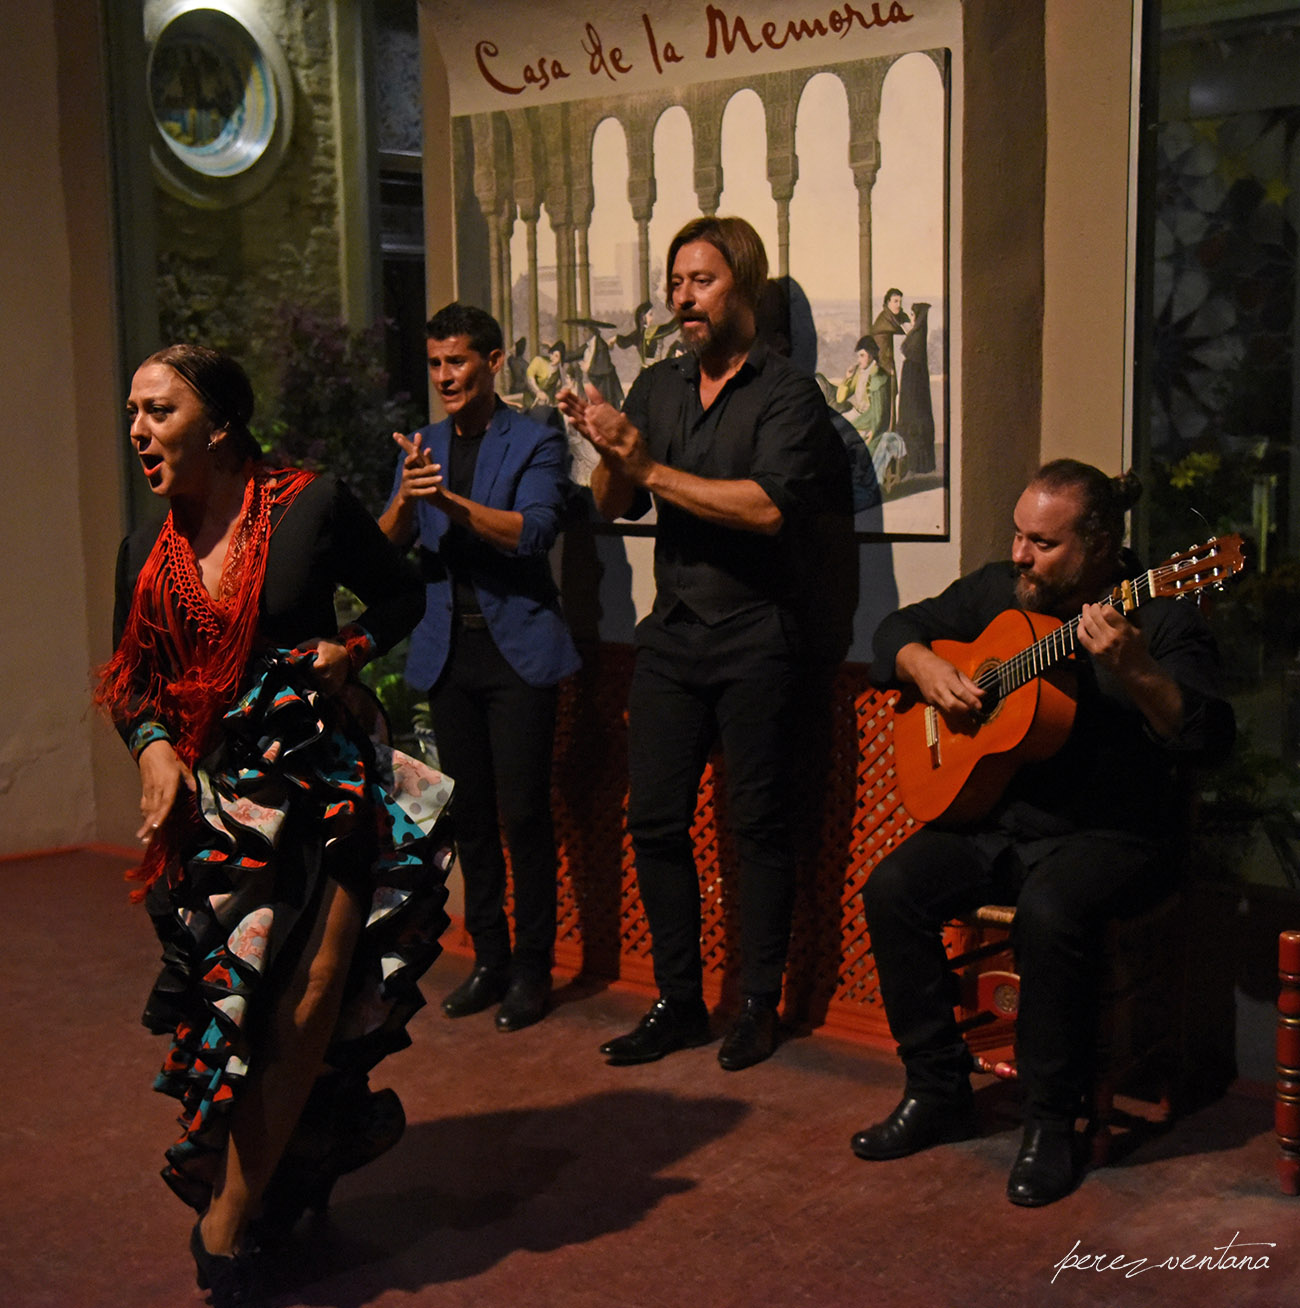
915, 410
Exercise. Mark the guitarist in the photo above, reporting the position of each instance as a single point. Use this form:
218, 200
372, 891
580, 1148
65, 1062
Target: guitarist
1084, 836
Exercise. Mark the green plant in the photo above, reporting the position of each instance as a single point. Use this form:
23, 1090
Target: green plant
1199, 466
331, 409
406, 708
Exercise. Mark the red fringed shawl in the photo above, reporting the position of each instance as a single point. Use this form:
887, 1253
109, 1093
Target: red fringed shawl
183, 654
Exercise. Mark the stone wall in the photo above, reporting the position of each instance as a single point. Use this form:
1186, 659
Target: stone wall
226, 273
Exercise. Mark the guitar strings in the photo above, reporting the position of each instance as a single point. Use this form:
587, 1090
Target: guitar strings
1060, 642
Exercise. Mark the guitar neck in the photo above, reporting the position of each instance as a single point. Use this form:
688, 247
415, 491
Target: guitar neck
1060, 643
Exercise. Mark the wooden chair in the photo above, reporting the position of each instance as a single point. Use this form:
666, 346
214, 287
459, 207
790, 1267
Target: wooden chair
1286, 1114
1141, 1032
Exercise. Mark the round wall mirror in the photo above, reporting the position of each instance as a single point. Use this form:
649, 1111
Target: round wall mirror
221, 98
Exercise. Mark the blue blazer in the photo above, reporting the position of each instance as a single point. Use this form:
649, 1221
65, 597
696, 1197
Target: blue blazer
521, 466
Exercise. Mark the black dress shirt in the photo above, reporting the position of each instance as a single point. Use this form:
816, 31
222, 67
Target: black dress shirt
769, 424
460, 545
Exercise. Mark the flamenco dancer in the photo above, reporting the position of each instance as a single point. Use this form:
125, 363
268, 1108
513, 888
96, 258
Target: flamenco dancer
294, 864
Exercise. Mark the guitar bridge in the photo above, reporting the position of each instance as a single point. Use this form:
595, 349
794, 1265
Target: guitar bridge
932, 735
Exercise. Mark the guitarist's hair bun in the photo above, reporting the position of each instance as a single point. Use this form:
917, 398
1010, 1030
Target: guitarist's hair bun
1127, 489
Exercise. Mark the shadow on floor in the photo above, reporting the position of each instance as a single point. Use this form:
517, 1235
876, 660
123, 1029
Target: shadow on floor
465, 1192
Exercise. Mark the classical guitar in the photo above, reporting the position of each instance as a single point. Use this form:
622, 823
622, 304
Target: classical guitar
955, 768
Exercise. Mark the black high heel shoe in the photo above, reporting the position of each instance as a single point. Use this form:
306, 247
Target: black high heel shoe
231, 1279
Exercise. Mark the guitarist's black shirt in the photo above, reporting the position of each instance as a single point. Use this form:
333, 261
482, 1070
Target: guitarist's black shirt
1113, 773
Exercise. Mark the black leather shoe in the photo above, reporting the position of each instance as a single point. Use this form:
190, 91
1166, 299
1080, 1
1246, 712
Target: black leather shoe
481, 989
914, 1125
525, 1002
1047, 1167
668, 1026
752, 1037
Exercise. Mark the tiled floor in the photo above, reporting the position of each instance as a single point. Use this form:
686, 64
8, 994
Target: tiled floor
532, 1174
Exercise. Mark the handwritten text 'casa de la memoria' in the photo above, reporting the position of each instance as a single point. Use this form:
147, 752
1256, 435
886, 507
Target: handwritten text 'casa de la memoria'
724, 34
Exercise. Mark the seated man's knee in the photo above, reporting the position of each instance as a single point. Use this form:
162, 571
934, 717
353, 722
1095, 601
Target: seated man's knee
885, 890
1044, 916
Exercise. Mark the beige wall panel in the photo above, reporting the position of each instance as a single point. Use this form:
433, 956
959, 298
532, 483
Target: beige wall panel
1085, 231
58, 765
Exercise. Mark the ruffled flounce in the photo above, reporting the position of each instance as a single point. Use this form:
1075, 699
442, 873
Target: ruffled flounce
297, 791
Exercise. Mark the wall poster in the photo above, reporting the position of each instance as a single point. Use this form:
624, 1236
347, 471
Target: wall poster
582, 141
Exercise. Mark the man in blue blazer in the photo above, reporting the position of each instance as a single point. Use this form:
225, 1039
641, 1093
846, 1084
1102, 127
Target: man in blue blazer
481, 493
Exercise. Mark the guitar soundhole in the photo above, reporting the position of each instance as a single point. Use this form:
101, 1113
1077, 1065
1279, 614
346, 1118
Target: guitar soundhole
986, 677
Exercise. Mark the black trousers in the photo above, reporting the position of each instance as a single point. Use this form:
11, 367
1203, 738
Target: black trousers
1064, 896
495, 734
693, 684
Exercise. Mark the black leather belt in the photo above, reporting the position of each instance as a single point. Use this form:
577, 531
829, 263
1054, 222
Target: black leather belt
472, 621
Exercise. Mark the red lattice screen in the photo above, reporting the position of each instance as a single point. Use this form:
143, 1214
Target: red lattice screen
850, 816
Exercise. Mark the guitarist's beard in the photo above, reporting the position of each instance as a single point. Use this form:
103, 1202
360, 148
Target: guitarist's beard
1054, 597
